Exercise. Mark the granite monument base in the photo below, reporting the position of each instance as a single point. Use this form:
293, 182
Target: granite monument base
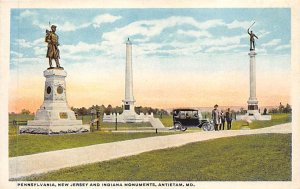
50, 129
54, 116
253, 115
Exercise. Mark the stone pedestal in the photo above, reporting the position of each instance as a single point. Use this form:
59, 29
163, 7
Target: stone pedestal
54, 116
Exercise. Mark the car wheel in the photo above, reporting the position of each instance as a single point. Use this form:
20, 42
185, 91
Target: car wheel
177, 126
182, 128
211, 127
207, 127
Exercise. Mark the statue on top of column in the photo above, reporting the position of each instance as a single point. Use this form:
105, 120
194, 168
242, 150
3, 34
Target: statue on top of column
252, 40
52, 52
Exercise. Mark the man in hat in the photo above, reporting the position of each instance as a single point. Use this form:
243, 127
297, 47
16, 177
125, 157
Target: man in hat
215, 116
53, 51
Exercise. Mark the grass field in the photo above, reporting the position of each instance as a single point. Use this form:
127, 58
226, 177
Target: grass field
264, 157
29, 144
276, 119
20, 145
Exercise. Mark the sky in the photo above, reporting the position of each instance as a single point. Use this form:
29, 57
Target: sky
181, 57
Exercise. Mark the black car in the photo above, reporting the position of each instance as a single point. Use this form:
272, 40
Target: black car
184, 118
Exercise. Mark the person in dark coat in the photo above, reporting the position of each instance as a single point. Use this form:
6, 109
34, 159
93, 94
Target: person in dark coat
228, 117
215, 116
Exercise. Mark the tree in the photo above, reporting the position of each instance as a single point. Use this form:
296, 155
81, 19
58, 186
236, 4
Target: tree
280, 108
274, 111
25, 112
287, 109
82, 111
108, 110
118, 109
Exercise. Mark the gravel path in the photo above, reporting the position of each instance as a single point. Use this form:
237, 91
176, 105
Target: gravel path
48, 161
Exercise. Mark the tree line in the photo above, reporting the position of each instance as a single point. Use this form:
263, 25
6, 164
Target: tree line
117, 109
140, 109
275, 110
281, 109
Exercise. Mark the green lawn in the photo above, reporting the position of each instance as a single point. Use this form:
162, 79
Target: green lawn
264, 157
276, 119
20, 145
18, 117
29, 144
166, 120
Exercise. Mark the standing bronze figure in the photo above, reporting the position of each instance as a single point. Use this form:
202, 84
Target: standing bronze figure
252, 41
53, 51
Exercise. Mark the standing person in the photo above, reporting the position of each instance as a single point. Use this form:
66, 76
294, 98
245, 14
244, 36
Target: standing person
222, 116
228, 118
215, 116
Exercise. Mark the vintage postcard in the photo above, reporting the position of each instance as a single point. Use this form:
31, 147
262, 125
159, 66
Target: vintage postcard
136, 94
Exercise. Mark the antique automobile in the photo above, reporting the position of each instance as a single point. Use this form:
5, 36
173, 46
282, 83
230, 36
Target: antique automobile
184, 118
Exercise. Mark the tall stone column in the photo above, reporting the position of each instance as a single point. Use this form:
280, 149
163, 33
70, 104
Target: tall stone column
252, 102
129, 115
129, 99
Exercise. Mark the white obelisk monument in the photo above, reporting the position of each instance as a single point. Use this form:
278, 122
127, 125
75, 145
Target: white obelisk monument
129, 99
129, 114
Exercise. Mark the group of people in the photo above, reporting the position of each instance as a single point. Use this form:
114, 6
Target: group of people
219, 118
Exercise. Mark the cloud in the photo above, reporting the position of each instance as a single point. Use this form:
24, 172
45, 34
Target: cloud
23, 43
16, 54
262, 33
225, 48
104, 18
271, 43
194, 33
223, 41
239, 24
22, 61
211, 24
80, 47
27, 13
68, 26
153, 36
282, 47
151, 28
